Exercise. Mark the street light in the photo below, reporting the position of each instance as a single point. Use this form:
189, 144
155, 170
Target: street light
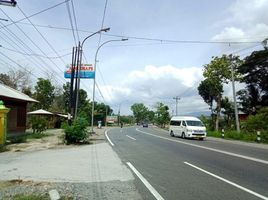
79, 62
94, 83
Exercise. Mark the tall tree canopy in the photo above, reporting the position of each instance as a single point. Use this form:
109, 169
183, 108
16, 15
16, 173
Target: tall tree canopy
217, 73
254, 72
140, 112
162, 115
44, 93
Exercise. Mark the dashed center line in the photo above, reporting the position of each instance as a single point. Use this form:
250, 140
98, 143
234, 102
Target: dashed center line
131, 137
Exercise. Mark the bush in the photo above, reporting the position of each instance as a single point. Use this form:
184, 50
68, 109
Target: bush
258, 122
76, 133
39, 124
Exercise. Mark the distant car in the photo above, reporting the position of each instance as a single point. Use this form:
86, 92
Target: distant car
145, 124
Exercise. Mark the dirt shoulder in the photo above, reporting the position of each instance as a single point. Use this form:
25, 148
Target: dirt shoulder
53, 139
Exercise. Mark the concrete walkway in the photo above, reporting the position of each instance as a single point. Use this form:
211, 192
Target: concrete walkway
96, 163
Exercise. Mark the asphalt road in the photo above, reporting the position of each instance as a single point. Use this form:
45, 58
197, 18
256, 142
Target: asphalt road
174, 168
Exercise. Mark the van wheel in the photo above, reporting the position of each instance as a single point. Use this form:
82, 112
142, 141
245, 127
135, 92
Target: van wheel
171, 134
183, 135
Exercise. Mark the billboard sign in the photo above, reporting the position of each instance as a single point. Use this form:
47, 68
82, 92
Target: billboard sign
86, 71
112, 119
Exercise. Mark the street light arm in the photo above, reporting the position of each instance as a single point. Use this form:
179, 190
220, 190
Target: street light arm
104, 44
93, 99
104, 29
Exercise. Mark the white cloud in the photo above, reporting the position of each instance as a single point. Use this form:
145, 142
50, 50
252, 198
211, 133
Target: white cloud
157, 84
229, 33
247, 21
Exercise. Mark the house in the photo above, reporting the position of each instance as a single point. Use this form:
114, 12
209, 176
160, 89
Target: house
17, 102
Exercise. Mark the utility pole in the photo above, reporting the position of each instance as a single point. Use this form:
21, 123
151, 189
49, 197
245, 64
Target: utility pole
235, 104
177, 99
71, 103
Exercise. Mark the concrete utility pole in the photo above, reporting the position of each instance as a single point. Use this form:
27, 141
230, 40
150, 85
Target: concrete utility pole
235, 104
177, 99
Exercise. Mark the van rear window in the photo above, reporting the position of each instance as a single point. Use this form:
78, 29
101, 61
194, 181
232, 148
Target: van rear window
194, 123
175, 123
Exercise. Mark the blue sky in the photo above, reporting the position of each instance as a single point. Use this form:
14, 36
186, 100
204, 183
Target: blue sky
137, 70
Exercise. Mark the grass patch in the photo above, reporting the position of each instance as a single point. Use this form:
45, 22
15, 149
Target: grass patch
248, 137
3, 149
37, 197
30, 197
15, 139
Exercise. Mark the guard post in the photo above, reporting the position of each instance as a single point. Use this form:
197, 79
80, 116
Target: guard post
3, 123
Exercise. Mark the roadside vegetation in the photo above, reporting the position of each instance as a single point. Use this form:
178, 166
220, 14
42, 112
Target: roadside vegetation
252, 101
76, 133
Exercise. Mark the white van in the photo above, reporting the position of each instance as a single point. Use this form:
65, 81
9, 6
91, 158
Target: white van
187, 127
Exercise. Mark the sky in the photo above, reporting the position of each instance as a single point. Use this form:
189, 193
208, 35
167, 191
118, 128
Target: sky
169, 42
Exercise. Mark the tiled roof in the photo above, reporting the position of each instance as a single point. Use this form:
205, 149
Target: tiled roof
9, 92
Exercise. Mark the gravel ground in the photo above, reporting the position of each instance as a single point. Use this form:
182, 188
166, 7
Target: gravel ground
114, 190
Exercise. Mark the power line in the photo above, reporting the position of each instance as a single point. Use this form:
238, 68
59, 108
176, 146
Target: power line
24, 44
48, 43
163, 41
13, 61
10, 39
38, 55
44, 10
71, 21
75, 21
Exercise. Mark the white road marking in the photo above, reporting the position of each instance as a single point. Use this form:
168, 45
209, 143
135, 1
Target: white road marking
208, 148
108, 139
229, 182
131, 137
145, 182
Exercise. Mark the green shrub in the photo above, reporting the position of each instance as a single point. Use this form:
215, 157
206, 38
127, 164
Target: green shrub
18, 139
3, 148
39, 124
258, 122
76, 133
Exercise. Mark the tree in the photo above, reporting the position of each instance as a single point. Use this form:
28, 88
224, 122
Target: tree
17, 79
44, 93
66, 96
228, 110
6, 80
140, 112
209, 91
162, 115
254, 72
100, 112
217, 73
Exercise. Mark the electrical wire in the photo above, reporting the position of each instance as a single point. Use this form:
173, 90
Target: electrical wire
44, 38
38, 55
19, 41
163, 41
71, 21
39, 12
75, 21
25, 45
